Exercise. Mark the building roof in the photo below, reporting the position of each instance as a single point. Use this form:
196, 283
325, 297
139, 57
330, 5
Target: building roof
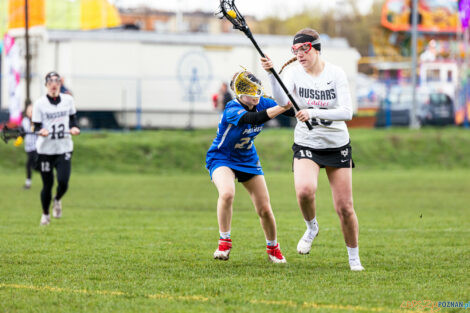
224, 39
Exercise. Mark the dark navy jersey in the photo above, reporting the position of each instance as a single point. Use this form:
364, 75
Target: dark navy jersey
233, 147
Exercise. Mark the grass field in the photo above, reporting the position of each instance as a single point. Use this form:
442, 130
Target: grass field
168, 152
144, 243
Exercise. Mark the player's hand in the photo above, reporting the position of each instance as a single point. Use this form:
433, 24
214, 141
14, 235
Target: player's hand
267, 64
75, 131
303, 115
43, 132
287, 106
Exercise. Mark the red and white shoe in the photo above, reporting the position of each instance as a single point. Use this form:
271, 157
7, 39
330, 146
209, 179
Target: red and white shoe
223, 251
275, 255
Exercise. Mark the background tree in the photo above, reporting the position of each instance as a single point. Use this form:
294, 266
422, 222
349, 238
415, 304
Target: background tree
347, 22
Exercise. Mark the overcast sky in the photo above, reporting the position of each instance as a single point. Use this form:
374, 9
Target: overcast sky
258, 8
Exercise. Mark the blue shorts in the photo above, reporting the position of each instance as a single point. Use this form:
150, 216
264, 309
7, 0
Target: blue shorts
242, 173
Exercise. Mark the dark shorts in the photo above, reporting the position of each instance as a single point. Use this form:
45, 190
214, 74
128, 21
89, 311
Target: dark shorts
242, 176
46, 162
32, 160
335, 157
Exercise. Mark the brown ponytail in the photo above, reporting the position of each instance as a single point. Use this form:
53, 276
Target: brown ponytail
287, 63
306, 31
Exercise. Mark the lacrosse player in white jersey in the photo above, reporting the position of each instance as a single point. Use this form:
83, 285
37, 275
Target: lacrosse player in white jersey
29, 145
322, 93
54, 118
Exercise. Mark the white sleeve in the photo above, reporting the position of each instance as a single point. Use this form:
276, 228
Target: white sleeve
36, 118
344, 110
24, 123
73, 110
278, 93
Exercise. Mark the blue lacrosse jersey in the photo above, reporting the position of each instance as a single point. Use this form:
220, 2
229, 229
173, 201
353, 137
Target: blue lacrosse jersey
233, 147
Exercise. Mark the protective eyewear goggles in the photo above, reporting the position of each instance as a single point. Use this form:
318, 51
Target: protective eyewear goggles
304, 47
53, 80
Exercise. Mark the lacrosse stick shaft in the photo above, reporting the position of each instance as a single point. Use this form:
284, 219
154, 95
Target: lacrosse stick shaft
276, 75
7, 134
37, 133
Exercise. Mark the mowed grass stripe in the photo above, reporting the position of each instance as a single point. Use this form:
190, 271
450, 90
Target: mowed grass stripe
199, 298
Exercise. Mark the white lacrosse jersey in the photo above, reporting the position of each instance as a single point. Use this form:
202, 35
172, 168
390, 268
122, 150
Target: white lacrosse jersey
329, 99
54, 118
29, 139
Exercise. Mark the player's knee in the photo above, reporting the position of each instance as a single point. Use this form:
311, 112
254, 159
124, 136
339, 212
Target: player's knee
306, 193
47, 187
264, 210
345, 208
63, 184
227, 196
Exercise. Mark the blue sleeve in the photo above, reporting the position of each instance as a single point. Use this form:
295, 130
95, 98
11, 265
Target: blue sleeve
233, 112
266, 103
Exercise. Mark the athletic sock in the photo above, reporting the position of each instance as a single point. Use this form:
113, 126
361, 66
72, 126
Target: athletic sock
224, 235
271, 243
312, 225
353, 253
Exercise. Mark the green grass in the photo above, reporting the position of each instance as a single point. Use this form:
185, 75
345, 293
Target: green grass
144, 243
163, 152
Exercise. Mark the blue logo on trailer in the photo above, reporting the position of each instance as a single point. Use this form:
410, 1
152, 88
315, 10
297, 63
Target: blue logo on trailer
194, 74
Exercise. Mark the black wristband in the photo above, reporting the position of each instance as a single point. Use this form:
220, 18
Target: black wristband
73, 121
37, 127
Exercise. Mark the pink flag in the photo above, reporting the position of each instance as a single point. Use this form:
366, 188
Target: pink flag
12, 62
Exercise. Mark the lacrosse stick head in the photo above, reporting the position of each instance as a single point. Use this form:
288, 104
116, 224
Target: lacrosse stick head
3, 134
8, 133
228, 10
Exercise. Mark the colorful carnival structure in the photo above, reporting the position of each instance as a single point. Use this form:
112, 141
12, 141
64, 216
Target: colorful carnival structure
21, 18
442, 46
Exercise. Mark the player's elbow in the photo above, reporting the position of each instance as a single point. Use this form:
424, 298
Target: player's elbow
348, 115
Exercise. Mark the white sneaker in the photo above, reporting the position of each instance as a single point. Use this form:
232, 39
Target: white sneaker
57, 209
355, 265
305, 243
45, 220
27, 184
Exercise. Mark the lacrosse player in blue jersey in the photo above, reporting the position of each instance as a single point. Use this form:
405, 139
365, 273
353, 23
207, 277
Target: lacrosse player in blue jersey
233, 155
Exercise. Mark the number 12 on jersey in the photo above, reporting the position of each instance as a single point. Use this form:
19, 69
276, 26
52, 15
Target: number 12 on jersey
59, 131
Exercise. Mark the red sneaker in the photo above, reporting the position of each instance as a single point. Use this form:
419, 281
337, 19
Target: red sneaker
223, 252
275, 255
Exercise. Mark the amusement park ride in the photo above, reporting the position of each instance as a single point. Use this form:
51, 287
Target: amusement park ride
442, 49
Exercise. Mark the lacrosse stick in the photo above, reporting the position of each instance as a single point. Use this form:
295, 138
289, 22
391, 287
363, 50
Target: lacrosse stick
14, 133
229, 10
